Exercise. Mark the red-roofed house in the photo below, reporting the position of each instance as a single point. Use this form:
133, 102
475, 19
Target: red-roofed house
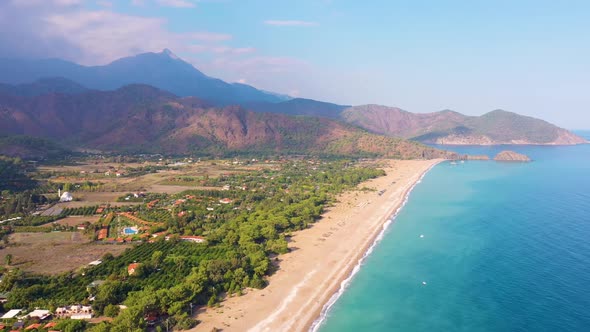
132, 268
33, 327
103, 233
49, 325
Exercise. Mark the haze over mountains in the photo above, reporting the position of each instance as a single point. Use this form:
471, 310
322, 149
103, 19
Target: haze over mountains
163, 70
158, 102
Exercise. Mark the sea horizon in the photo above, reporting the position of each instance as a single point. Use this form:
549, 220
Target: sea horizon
480, 246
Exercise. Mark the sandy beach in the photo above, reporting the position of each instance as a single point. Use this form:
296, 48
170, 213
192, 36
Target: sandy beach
321, 257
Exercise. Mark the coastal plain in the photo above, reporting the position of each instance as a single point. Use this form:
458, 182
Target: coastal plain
320, 257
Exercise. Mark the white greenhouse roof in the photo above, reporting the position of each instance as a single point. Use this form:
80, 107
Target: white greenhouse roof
11, 314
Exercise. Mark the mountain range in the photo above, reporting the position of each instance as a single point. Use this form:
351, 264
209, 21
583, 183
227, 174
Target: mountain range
153, 102
141, 118
452, 128
163, 70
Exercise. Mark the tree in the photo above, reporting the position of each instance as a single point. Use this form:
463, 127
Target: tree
157, 258
107, 257
177, 260
256, 282
212, 300
100, 327
111, 310
130, 319
111, 292
8, 259
184, 322
71, 325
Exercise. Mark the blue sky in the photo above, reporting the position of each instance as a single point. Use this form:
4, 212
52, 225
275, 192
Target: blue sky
472, 56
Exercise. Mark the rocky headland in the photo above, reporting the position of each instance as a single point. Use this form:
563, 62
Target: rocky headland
511, 156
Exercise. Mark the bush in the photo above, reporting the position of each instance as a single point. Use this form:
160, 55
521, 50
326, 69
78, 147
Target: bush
111, 310
184, 322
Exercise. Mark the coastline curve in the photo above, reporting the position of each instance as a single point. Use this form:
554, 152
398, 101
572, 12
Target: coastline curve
317, 323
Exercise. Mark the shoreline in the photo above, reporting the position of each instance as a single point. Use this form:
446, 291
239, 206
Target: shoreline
323, 259
315, 325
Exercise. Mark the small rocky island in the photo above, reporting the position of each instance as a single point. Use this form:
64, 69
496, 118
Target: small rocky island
511, 156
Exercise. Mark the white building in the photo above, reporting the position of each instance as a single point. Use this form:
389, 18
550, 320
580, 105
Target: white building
66, 197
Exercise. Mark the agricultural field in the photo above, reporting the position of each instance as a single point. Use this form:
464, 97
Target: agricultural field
74, 221
55, 252
199, 232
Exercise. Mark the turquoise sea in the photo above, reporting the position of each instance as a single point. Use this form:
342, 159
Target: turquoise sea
482, 246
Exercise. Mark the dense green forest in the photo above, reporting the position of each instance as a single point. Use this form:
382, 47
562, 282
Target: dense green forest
13, 174
245, 227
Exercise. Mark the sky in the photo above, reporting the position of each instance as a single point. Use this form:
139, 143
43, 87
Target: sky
471, 56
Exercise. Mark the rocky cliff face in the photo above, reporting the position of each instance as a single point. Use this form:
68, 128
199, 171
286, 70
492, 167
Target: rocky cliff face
511, 156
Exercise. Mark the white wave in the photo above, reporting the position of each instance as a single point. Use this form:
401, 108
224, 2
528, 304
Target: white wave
262, 326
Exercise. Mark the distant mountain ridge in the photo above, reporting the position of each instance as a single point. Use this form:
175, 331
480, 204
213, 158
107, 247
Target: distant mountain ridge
167, 72
444, 127
163, 70
452, 128
141, 118
300, 106
43, 86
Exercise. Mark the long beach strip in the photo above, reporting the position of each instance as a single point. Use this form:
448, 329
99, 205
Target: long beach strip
323, 257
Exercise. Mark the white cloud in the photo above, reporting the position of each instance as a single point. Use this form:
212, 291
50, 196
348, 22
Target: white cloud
104, 35
217, 49
104, 3
22, 3
67, 2
290, 23
40, 29
231, 50
177, 3
208, 36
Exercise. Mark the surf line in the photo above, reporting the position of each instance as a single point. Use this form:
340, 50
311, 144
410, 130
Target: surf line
315, 326
262, 325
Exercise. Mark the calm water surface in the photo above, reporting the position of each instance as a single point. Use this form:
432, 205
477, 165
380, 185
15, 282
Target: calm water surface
499, 246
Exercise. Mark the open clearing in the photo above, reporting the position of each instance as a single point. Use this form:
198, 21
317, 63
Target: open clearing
55, 252
77, 220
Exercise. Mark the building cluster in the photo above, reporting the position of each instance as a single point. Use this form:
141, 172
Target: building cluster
39, 319
74, 312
